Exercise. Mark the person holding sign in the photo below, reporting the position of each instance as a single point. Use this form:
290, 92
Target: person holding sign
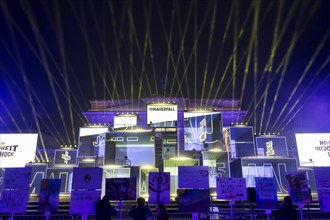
140, 211
287, 210
103, 209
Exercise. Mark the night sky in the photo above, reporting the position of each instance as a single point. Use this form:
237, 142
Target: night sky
55, 56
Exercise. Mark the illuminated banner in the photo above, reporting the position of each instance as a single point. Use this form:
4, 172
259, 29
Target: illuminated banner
65, 157
162, 115
202, 129
242, 142
218, 164
271, 146
134, 148
16, 150
249, 168
92, 141
124, 121
313, 149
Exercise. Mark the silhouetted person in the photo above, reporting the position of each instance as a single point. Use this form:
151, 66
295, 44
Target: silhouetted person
140, 211
161, 212
287, 210
104, 210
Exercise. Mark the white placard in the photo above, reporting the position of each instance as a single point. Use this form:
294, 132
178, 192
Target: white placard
16, 150
161, 113
313, 149
83, 202
86, 131
193, 177
231, 188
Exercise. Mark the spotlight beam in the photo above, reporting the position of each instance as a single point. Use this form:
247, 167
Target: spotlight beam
252, 41
59, 33
183, 35
214, 12
309, 65
300, 26
168, 39
19, 90
22, 71
305, 91
310, 95
276, 42
118, 44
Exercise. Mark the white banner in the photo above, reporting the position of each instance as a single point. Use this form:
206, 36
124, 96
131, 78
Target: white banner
313, 149
161, 113
231, 188
16, 150
83, 202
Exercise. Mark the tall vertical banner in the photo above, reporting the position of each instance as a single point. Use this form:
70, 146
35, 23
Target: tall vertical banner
49, 195
266, 195
15, 193
231, 189
322, 179
193, 177
298, 187
159, 187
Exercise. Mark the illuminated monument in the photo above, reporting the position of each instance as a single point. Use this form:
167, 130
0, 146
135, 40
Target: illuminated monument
174, 114
131, 138
134, 137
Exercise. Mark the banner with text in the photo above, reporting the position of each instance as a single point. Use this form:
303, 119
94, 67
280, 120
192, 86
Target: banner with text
16, 150
231, 188
313, 149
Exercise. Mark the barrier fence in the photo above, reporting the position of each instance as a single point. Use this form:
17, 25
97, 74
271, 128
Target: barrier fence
36, 217
173, 216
